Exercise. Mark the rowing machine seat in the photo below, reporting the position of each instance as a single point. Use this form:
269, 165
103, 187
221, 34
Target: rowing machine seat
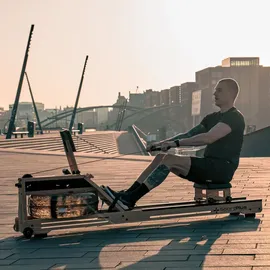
212, 186
211, 192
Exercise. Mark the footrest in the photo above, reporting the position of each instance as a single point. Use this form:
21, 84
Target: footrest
212, 186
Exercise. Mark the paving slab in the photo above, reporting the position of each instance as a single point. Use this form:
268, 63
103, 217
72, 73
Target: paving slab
200, 242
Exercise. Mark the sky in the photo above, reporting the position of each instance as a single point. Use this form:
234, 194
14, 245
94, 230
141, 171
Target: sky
153, 44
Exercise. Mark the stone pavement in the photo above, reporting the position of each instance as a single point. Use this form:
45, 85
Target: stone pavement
202, 242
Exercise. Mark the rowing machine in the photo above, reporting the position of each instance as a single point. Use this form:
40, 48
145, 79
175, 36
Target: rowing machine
73, 184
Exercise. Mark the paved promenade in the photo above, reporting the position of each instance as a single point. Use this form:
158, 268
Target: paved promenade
202, 242
98, 142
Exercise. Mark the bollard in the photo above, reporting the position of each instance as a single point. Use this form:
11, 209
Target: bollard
31, 126
81, 128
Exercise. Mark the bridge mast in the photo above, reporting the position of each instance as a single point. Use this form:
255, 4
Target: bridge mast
15, 105
34, 104
78, 96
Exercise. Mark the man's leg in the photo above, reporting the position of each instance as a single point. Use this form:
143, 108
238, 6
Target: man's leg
169, 163
157, 176
138, 183
150, 168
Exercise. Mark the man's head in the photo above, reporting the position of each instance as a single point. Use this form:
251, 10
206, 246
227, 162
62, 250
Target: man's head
226, 92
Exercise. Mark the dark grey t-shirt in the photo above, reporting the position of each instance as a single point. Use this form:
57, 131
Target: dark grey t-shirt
229, 147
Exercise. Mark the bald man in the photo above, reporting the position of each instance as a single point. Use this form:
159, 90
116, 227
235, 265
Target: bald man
222, 132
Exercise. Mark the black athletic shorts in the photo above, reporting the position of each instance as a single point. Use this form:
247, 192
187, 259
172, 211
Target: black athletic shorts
202, 169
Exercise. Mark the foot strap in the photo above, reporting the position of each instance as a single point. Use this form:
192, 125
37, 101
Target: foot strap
113, 203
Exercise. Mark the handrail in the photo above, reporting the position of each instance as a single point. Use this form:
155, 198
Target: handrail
139, 139
144, 135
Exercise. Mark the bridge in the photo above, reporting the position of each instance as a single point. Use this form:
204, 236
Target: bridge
158, 116
135, 116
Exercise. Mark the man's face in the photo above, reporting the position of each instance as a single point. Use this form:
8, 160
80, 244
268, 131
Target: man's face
221, 94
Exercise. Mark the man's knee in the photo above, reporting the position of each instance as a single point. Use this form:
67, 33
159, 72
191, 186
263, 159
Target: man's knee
170, 159
178, 164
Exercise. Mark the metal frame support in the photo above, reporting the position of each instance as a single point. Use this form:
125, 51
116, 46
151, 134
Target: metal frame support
118, 117
78, 96
15, 105
69, 149
122, 115
34, 104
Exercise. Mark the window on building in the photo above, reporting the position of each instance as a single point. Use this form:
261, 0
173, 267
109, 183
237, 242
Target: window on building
180, 95
241, 63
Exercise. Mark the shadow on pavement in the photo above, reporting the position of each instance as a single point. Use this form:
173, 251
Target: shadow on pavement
179, 245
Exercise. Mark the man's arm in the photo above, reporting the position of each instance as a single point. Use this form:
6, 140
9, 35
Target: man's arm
194, 131
219, 131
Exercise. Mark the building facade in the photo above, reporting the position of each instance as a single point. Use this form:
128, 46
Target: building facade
136, 100
151, 98
186, 90
254, 81
174, 97
164, 97
102, 115
89, 118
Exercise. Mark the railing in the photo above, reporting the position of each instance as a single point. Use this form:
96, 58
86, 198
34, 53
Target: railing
256, 144
140, 138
